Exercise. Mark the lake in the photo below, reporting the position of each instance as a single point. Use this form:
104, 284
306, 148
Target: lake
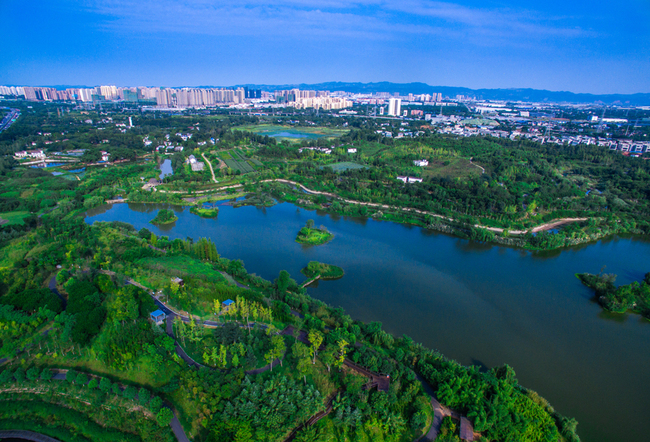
477, 303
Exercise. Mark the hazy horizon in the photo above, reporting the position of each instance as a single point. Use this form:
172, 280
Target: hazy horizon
551, 45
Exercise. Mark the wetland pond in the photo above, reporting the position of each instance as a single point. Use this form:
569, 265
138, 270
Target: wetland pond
480, 304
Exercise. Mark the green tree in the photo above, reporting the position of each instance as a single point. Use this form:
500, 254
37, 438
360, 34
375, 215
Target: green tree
342, 352
81, 379
155, 404
46, 374
71, 376
164, 417
316, 339
130, 392
6, 376
117, 391
105, 385
33, 374
143, 396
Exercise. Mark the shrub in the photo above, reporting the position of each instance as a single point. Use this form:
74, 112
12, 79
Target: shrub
93, 384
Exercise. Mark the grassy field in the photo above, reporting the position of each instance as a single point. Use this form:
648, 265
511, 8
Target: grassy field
294, 134
13, 217
183, 265
450, 168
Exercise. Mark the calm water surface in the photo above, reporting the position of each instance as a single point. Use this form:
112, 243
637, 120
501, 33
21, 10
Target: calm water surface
479, 304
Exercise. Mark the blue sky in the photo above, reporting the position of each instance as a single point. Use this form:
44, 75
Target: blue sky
574, 45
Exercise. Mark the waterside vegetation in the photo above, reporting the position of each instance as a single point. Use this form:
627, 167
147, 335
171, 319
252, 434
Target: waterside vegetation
313, 236
164, 216
633, 297
323, 271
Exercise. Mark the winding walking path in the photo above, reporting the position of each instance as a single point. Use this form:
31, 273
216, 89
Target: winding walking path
544, 226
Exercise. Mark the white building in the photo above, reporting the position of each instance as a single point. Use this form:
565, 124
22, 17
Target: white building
394, 107
409, 179
421, 163
352, 150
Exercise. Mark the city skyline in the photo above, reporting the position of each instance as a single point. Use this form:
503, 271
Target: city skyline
587, 48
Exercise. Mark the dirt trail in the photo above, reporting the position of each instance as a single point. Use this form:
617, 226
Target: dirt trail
214, 179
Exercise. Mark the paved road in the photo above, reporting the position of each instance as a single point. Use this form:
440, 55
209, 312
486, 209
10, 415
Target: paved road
9, 119
177, 428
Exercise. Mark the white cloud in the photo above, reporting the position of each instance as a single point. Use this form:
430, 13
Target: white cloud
331, 19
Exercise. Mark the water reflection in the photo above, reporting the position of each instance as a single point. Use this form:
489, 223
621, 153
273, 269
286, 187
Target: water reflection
615, 317
481, 366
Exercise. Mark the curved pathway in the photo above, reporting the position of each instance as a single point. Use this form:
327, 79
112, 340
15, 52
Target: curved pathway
214, 179
26, 435
544, 226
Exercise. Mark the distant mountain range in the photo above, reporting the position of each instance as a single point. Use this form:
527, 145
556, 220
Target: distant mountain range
530, 95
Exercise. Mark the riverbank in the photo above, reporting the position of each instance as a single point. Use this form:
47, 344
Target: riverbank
534, 238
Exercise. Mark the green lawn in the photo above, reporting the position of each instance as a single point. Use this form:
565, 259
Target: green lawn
450, 168
14, 217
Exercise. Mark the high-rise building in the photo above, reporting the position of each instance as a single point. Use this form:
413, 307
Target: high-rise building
30, 93
394, 107
109, 92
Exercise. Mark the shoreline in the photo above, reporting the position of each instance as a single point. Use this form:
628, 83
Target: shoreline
510, 242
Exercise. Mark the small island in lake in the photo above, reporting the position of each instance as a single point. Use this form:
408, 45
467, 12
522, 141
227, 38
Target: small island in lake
634, 297
203, 212
313, 236
165, 216
324, 271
